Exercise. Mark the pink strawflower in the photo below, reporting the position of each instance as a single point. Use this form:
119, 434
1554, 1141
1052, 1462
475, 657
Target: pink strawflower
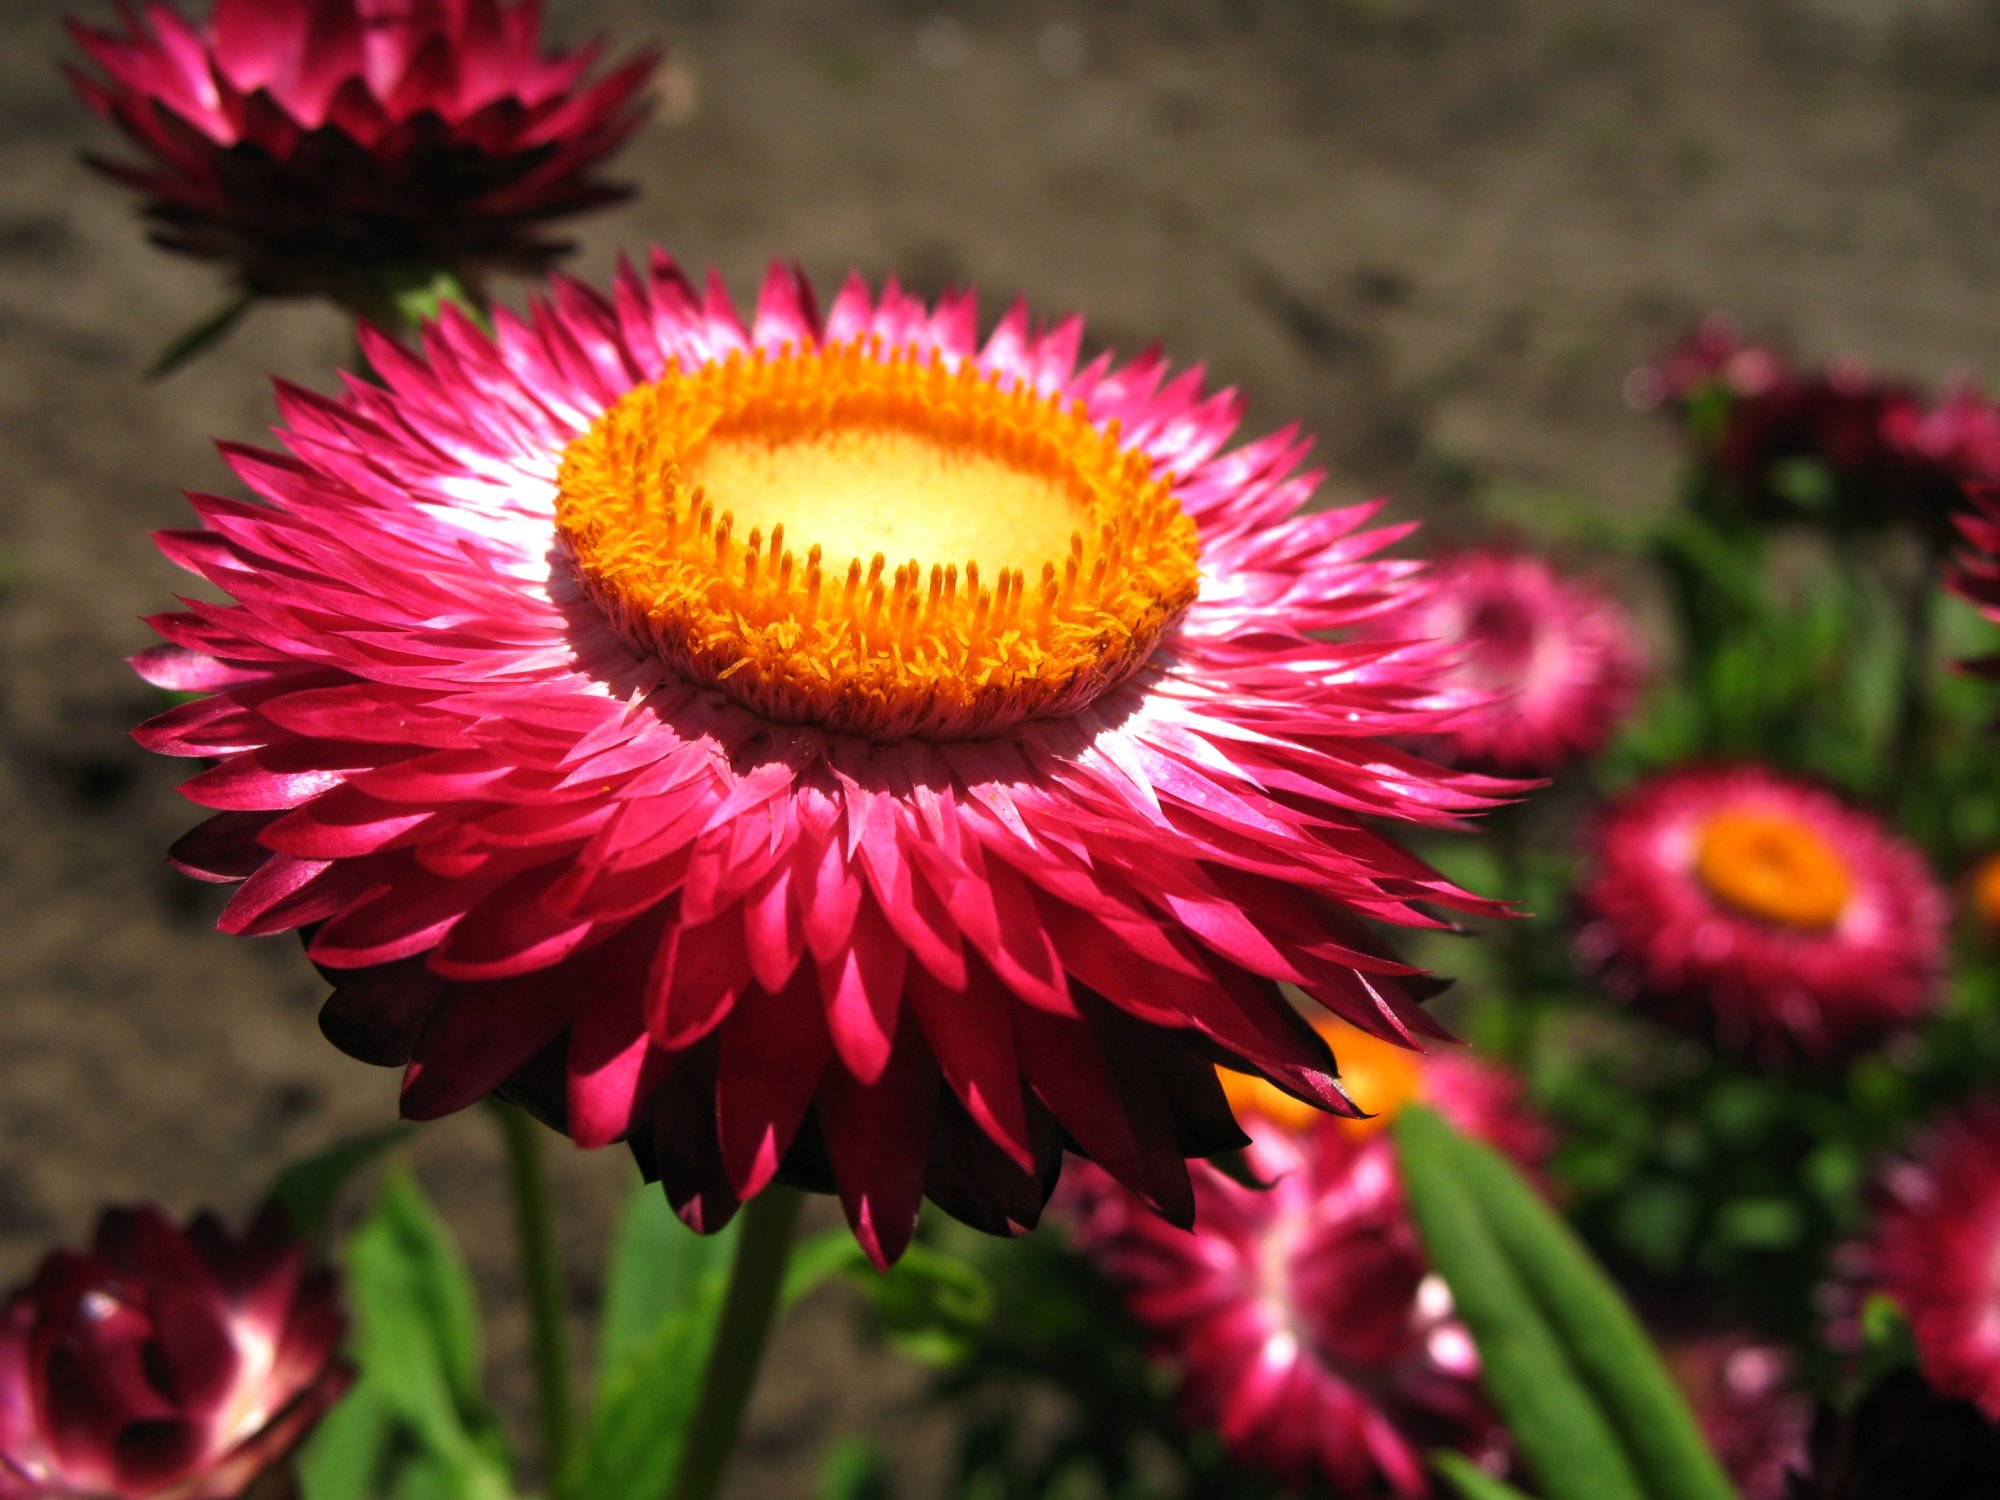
1549, 666
586, 785
182, 1365
318, 144
1892, 454
1302, 1320
1762, 910
1932, 1246
1745, 1393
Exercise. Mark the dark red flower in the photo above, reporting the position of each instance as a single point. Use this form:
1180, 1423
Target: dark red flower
318, 144
1932, 1247
1745, 1394
165, 1363
1888, 453
1303, 1320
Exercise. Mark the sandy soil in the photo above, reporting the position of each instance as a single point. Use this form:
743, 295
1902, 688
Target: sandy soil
1440, 232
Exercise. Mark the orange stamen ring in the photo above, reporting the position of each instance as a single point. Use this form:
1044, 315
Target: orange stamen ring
684, 507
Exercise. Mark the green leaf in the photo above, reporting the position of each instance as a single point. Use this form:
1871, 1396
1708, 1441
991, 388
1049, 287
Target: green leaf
1563, 1359
416, 1337
854, 1470
307, 1189
639, 1419
659, 1267
662, 1301
350, 1452
199, 339
1471, 1481
931, 1305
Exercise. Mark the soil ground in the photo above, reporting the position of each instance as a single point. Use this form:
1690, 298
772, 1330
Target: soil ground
1441, 232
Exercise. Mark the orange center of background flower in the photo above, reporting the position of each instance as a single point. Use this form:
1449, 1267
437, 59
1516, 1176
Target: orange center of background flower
1379, 1076
876, 542
1773, 867
1985, 892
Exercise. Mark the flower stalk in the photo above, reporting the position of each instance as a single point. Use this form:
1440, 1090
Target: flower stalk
542, 1279
756, 1279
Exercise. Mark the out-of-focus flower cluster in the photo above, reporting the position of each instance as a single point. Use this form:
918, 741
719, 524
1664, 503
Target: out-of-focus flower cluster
1831, 443
318, 146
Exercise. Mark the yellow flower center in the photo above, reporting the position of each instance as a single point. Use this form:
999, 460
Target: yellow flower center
878, 542
1773, 867
1379, 1076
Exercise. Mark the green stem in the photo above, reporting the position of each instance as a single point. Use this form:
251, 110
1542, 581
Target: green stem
762, 1252
542, 1276
1913, 707
403, 299
1515, 937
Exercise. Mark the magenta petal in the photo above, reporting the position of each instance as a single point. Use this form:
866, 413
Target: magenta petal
479, 1035
771, 1055
1066, 1066
970, 1035
192, 1356
877, 1137
685, 1149
864, 987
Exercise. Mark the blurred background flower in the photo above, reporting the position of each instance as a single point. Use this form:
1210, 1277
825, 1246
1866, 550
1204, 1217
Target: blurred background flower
1834, 444
1932, 1247
183, 1364
1300, 1319
1761, 910
330, 147
1549, 667
1747, 1393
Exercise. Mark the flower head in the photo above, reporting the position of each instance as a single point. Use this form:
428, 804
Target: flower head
1302, 1319
1746, 1395
1835, 443
837, 746
1932, 1246
1763, 910
1550, 665
164, 1363
316, 144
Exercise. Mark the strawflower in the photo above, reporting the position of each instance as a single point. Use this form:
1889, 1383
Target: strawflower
1550, 665
1302, 1320
1763, 911
1834, 444
1745, 1393
165, 1364
837, 746
1932, 1246
320, 145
